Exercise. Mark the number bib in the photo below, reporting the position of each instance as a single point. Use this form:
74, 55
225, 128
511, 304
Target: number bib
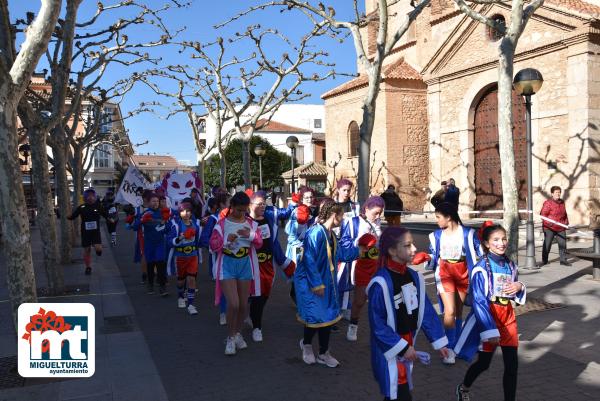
91, 225
265, 231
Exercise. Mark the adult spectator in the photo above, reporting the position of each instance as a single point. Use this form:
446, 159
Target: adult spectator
554, 209
440, 195
452, 193
393, 206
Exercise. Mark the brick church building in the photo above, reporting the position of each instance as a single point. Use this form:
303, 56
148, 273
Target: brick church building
437, 110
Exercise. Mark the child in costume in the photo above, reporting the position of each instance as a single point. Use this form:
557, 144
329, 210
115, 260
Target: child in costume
398, 309
454, 250
315, 282
269, 255
90, 213
153, 223
215, 205
351, 209
364, 231
138, 255
112, 214
184, 237
492, 322
235, 240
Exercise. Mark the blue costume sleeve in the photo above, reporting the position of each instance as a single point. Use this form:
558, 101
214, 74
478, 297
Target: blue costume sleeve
207, 232
346, 240
432, 327
521, 296
481, 307
314, 248
172, 234
387, 340
285, 213
346, 252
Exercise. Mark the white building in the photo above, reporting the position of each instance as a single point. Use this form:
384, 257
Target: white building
304, 120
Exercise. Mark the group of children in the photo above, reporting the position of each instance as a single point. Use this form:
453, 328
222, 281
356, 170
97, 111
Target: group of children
336, 248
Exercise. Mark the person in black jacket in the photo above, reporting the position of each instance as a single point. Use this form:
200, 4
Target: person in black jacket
393, 206
90, 213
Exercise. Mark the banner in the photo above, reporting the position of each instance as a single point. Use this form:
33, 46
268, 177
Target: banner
132, 187
178, 186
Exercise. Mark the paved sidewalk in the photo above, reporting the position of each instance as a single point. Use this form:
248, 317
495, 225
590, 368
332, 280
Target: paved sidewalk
124, 368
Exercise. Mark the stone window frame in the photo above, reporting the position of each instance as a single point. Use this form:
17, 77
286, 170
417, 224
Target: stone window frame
353, 138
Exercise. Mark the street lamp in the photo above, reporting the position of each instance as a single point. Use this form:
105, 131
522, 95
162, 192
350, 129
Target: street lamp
527, 83
260, 152
292, 143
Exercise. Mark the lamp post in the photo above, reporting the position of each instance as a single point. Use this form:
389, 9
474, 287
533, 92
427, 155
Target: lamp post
260, 152
527, 83
292, 143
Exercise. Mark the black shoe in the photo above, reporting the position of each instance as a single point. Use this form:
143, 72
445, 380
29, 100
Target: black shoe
144, 278
88, 271
150, 289
565, 264
462, 394
163, 291
335, 328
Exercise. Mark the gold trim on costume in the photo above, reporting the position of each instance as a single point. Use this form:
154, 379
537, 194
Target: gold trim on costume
318, 325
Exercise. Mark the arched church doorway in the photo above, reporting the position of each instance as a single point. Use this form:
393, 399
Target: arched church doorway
488, 175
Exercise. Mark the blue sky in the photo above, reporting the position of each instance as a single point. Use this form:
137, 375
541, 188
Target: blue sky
174, 136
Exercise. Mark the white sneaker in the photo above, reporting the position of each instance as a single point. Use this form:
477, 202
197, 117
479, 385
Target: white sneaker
328, 360
222, 319
248, 322
181, 303
450, 359
351, 335
257, 335
346, 314
239, 341
230, 346
308, 356
192, 310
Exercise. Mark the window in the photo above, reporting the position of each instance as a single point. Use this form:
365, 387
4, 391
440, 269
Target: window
317, 123
318, 186
323, 155
300, 154
103, 157
142, 163
353, 138
161, 163
493, 34
202, 126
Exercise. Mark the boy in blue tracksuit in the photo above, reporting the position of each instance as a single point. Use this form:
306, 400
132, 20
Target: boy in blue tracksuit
183, 239
398, 309
154, 230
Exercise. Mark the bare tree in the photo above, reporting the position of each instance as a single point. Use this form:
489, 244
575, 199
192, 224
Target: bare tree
16, 70
194, 89
511, 32
325, 15
285, 75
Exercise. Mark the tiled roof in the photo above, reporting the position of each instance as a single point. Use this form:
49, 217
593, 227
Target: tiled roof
264, 125
146, 161
311, 169
399, 69
576, 5
318, 136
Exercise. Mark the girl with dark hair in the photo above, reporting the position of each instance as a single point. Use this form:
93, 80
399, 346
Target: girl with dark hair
363, 231
398, 309
494, 284
454, 250
315, 282
270, 255
216, 204
235, 240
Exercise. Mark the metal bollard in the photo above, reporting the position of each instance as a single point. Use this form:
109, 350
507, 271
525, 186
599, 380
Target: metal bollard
596, 263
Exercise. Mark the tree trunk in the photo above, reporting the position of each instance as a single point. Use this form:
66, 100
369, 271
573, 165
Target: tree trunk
223, 169
62, 194
507, 154
13, 213
246, 162
201, 172
77, 168
364, 147
45, 209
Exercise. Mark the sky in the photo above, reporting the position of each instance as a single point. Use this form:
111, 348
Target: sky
173, 136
